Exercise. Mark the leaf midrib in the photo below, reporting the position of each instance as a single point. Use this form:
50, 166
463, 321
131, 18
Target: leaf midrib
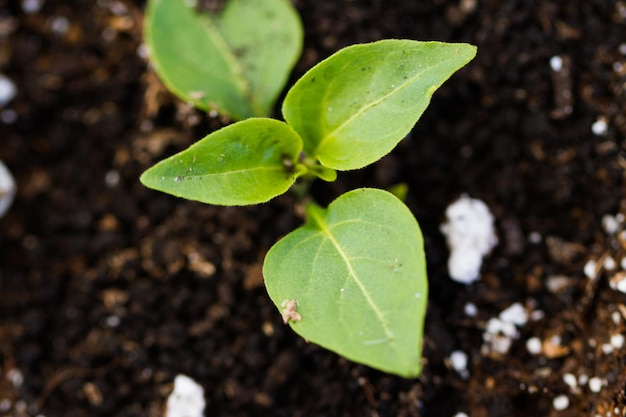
329, 235
236, 171
372, 104
243, 84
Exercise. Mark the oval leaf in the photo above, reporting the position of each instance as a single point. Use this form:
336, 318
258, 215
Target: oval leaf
236, 61
354, 107
353, 280
248, 162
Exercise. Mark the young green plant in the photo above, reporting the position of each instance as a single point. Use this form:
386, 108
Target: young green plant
353, 277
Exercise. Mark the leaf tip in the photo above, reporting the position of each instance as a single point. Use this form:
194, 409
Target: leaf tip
147, 178
468, 50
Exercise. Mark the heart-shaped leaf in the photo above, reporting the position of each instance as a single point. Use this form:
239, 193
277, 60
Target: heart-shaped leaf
354, 107
353, 280
236, 61
248, 162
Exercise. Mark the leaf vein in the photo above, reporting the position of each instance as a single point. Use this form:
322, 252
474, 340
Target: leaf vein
374, 103
241, 82
352, 273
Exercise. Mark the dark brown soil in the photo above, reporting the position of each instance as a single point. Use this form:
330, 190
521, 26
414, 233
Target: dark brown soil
109, 290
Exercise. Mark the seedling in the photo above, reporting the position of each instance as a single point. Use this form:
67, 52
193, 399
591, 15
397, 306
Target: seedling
353, 277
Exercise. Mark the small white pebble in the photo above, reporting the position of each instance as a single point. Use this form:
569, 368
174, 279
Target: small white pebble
113, 321
535, 238
595, 384
609, 263
618, 281
616, 317
15, 377
500, 331
556, 63
5, 404
557, 283
112, 178
458, 360
570, 380
118, 8
610, 224
496, 326
187, 399
8, 90
560, 402
515, 314
590, 269
461, 414
470, 235
109, 34
537, 315
599, 127
470, 310
607, 348
31, 6
7, 189
501, 344
534, 346
143, 51
617, 341
582, 379
60, 25
622, 48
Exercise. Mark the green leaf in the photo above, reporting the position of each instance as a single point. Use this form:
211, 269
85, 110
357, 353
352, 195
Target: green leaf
236, 62
354, 107
248, 162
355, 275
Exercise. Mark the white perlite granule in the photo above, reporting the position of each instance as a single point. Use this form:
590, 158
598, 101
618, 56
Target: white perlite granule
560, 403
570, 380
8, 90
7, 189
32, 6
595, 384
470, 235
617, 340
599, 127
458, 360
556, 63
516, 314
187, 399
502, 330
470, 310
534, 346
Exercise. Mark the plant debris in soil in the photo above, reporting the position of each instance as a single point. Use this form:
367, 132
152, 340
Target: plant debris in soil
108, 290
